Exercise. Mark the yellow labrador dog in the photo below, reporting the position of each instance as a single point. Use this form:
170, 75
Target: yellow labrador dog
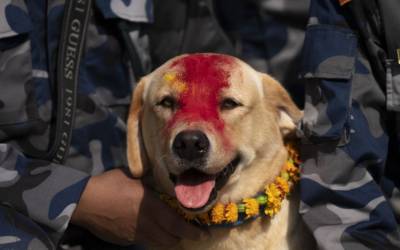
211, 130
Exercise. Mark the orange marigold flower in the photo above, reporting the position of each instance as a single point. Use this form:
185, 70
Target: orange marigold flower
273, 192
274, 199
252, 207
289, 167
282, 184
269, 212
293, 171
272, 208
231, 212
217, 213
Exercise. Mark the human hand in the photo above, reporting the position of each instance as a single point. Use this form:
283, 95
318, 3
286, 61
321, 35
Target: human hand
120, 210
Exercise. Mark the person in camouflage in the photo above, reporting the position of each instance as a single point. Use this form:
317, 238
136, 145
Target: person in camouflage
38, 197
349, 186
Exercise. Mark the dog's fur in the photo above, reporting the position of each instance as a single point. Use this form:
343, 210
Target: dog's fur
256, 130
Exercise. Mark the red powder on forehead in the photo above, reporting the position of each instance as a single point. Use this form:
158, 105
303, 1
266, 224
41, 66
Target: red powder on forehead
205, 75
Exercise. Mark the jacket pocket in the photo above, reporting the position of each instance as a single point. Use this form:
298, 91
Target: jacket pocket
18, 108
328, 67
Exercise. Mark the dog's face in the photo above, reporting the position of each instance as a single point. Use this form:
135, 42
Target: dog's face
205, 122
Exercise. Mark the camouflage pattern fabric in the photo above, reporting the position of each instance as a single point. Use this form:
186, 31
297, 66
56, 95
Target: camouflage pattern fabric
349, 189
269, 35
38, 197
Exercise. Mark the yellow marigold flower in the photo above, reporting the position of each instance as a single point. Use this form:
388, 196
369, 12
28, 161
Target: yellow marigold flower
217, 213
269, 212
231, 212
273, 192
252, 207
289, 167
293, 171
273, 200
282, 184
273, 209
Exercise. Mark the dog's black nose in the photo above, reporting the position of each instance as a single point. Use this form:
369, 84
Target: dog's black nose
191, 145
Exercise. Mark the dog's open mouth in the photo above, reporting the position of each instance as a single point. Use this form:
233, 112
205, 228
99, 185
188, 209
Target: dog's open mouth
195, 189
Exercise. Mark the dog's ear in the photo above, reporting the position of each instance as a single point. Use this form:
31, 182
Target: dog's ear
135, 148
288, 113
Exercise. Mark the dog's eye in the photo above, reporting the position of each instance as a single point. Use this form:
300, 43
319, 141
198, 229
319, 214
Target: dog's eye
167, 102
229, 103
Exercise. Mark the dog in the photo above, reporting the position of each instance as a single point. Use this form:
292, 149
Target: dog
212, 130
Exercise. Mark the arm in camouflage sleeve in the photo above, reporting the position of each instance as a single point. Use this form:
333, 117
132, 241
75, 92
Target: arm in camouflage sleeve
45, 192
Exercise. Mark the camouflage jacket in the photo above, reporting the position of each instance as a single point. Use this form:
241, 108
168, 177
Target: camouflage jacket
29, 39
268, 35
350, 177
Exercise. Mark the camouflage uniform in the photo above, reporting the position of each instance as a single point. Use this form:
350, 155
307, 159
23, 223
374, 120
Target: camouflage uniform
269, 34
38, 197
348, 186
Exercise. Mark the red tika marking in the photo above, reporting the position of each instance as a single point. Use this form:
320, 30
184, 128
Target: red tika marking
205, 75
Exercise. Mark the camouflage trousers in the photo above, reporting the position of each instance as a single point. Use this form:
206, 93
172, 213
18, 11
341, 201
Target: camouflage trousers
350, 174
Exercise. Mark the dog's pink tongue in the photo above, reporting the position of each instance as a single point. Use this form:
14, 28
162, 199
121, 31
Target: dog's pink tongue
193, 189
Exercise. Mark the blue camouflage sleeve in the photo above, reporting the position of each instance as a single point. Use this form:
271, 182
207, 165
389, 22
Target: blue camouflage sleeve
46, 192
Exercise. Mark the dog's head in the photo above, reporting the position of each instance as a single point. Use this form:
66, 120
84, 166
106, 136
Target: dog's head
202, 121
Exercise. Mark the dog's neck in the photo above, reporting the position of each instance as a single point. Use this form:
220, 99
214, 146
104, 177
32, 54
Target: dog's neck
267, 202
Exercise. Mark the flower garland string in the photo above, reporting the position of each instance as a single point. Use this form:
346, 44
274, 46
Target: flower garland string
266, 203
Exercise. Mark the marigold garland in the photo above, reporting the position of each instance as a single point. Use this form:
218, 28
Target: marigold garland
267, 203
